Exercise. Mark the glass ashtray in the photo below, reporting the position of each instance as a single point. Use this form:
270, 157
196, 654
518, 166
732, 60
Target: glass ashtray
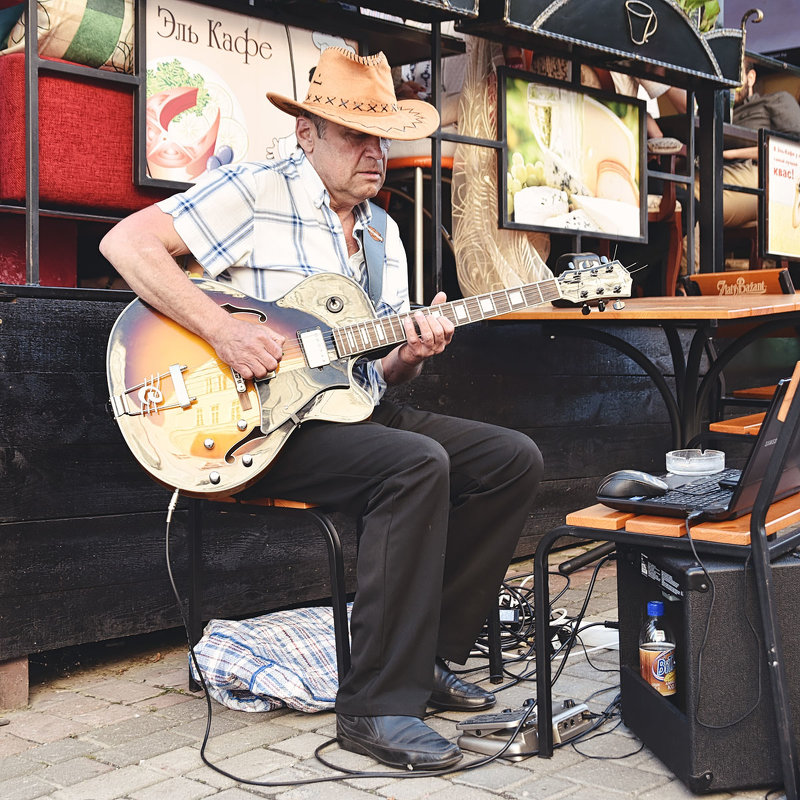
695, 462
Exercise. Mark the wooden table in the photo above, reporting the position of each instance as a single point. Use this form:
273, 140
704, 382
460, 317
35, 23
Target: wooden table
687, 402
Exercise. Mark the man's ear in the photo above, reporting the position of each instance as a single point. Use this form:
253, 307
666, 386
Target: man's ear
303, 131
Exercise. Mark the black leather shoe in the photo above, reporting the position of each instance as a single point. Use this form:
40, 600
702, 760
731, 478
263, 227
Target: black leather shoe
397, 741
453, 694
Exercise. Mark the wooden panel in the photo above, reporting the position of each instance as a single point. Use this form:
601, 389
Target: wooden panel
747, 425
82, 526
599, 516
657, 526
756, 392
781, 515
83, 580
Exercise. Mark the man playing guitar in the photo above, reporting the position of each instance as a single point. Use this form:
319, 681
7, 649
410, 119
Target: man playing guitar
441, 500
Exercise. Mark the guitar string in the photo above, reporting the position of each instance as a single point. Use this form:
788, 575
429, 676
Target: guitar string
293, 348
473, 309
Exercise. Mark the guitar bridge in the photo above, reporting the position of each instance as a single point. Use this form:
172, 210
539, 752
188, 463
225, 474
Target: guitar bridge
150, 395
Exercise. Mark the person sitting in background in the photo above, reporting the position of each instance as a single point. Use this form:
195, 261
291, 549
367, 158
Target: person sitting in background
776, 111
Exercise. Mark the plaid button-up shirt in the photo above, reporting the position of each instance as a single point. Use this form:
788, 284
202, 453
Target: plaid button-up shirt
269, 225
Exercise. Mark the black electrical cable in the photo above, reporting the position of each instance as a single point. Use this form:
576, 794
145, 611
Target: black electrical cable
580, 615
342, 773
706, 632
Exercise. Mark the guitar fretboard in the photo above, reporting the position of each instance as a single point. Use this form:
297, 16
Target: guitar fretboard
361, 337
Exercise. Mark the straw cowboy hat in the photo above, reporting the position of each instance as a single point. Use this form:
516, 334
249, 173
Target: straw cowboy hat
358, 92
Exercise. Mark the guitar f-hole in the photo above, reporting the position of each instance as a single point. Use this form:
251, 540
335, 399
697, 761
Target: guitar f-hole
232, 309
255, 433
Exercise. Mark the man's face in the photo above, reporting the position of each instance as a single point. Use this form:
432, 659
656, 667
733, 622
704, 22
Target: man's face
352, 165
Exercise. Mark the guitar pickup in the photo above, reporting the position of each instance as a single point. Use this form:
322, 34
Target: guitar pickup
315, 350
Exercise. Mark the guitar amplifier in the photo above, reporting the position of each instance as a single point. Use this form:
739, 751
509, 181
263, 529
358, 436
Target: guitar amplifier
704, 733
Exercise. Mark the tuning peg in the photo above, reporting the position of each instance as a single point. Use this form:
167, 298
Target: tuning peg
601, 304
585, 309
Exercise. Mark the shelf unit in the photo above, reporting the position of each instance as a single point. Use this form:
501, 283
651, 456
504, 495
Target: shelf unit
709, 64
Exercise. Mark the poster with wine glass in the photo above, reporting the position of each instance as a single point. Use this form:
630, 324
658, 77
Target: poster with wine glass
572, 158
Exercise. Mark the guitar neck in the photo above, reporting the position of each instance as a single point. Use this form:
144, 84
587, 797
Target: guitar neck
362, 337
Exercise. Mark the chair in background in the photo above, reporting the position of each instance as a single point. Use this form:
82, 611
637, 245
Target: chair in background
746, 237
417, 169
764, 281
666, 208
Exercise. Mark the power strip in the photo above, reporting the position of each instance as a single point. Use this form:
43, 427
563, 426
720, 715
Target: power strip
490, 733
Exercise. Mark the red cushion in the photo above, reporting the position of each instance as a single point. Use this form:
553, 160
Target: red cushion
85, 142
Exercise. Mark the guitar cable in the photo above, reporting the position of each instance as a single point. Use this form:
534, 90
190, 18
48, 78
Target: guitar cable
343, 772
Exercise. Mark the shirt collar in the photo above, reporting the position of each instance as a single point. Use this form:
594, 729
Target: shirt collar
320, 195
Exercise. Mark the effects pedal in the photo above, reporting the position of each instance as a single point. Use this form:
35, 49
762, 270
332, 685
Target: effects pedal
489, 733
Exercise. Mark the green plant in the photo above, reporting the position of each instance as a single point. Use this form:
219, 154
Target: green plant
703, 12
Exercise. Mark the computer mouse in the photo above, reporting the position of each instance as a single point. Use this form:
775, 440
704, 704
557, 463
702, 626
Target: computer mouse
631, 483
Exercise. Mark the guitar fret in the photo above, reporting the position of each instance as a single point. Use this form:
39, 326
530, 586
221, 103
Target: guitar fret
460, 311
364, 333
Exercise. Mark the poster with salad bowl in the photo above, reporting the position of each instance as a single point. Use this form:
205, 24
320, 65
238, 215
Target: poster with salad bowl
572, 159
203, 100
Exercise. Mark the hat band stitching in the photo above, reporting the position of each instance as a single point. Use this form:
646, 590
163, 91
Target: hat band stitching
366, 106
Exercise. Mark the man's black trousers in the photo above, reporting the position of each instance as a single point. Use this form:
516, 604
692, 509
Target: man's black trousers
442, 502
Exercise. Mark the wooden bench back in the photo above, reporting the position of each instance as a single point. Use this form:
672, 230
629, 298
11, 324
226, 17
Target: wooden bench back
762, 281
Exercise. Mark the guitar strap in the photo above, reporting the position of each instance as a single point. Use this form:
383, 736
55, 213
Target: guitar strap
374, 243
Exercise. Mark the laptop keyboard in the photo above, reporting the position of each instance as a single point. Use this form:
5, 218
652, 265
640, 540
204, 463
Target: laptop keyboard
703, 492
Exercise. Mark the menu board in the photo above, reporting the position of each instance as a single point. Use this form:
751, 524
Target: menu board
781, 160
206, 74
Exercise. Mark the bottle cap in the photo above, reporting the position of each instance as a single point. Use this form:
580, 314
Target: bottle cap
655, 608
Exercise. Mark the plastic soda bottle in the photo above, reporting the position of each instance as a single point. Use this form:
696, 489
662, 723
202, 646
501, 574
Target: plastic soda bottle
657, 650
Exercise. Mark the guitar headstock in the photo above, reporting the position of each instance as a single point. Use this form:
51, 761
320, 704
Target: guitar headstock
593, 278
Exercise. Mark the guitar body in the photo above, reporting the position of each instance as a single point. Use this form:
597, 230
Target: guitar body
193, 423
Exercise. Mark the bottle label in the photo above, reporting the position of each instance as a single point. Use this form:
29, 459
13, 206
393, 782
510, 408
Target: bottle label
657, 666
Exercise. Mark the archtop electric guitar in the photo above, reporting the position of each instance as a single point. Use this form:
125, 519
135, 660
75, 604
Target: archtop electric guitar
196, 425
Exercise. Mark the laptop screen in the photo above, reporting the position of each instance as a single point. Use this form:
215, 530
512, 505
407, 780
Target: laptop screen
744, 496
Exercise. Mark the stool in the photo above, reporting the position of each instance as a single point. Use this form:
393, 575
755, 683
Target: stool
266, 505
417, 163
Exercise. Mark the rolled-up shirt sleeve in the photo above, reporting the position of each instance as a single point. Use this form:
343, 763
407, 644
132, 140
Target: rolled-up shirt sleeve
215, 219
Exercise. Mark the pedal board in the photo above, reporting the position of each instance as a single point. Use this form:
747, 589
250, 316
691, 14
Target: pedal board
489, 733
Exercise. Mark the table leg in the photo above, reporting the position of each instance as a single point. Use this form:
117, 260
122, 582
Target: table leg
688, 395
541, 614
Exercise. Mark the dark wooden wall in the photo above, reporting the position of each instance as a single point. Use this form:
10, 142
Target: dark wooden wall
82, 526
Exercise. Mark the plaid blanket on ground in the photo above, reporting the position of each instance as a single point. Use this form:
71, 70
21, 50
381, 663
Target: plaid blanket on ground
282, 659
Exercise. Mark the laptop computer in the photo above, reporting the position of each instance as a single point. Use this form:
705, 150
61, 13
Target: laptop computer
727, 494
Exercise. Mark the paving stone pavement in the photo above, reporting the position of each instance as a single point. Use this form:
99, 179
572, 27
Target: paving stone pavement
122, 725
